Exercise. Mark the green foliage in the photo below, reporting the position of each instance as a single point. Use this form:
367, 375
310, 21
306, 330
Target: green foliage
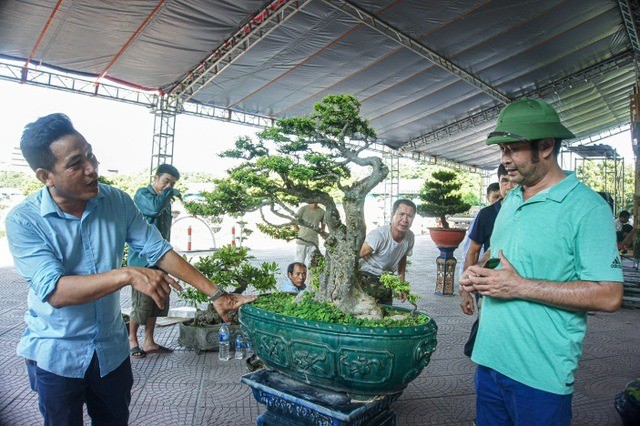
316, 270
297, 160
128, 183
399, 287
441, 196
230, 268
287, 232
193, 296
598, 175
308, 308
25, 182
471, 182
634, 393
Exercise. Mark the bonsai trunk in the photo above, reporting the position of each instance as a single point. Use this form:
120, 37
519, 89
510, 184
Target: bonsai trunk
209, 316
339, 282
443, 221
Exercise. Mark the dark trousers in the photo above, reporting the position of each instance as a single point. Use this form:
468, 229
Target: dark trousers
501, 401
60, 399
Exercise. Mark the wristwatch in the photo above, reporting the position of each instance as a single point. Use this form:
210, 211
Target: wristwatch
215, 296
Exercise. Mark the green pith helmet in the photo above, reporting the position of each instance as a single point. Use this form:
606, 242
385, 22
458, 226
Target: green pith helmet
527, 120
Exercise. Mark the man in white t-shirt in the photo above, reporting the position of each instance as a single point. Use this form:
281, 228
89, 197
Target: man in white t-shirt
386, 249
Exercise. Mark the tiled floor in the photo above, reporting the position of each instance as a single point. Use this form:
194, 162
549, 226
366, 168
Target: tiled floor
188, 389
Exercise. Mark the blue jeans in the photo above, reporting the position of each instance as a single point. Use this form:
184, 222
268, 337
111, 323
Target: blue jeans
503, 401
60, 399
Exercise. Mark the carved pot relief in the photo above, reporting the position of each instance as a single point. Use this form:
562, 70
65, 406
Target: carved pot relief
361, 361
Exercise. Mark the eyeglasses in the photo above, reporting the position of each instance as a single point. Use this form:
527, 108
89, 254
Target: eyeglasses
508, 135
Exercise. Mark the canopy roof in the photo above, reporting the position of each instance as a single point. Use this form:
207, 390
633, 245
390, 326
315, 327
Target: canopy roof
431, 75
595, 151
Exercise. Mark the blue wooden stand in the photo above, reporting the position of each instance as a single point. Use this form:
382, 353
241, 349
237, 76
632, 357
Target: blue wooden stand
446, 268
291, 403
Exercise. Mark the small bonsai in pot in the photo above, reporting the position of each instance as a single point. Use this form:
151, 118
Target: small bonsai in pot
231, 268
441, 197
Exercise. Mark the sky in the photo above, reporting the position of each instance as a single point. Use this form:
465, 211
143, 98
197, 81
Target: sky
122, 134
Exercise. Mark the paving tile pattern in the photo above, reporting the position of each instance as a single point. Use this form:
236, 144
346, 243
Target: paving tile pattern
188, 389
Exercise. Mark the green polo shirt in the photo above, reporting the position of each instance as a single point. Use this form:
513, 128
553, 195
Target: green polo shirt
562, 234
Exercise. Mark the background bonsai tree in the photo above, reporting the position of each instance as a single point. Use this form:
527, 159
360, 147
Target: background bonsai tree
229, 267
302, 160
441, 196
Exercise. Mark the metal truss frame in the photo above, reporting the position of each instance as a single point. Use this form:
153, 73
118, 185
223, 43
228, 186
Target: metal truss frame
391, 182
75, 84
623, 59
267, 19
164, 129
415, 46
601, 135
631, 17
224, 114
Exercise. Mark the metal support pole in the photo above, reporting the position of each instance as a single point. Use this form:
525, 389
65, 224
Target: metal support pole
391, 183
164, 127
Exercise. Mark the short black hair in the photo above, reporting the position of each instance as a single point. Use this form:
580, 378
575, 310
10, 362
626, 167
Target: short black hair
493, 187
38, 136
624, 213
405, 202
169, 169
502, 170
293, 265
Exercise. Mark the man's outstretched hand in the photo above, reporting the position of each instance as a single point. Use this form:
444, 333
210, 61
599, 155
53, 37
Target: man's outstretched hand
230, 302
152, 282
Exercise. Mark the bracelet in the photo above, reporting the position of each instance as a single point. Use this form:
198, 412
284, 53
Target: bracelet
215, 296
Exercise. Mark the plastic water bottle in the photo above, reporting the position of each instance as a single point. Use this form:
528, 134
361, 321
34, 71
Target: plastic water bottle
239, 347
248, 348
223, 340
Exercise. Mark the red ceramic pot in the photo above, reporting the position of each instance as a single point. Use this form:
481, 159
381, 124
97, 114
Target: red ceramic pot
449, 238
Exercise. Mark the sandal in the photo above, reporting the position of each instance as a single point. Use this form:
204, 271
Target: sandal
159, 350
136, 352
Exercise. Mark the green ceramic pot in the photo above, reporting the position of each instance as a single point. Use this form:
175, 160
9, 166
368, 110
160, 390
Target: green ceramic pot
361, 361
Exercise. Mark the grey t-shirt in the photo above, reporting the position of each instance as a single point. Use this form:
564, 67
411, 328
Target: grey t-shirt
387, 253
313, 217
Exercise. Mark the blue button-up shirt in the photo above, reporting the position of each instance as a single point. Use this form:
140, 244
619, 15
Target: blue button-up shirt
48, 244
289, 287
156, 209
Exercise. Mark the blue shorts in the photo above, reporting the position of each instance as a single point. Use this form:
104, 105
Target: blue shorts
503, 401
60, 399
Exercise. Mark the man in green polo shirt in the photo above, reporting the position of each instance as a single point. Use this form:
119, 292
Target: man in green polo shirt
558, 259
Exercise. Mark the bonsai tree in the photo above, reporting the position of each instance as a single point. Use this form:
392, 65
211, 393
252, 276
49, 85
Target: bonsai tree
440, 196
303, 160
229, 267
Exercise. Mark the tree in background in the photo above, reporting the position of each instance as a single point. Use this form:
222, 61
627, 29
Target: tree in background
304, 160
440, 196
25, 182
598, 177
471, 183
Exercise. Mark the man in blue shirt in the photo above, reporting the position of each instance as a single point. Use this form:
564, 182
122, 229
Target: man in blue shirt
296, 276
67, 241
154, 202
558, 259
